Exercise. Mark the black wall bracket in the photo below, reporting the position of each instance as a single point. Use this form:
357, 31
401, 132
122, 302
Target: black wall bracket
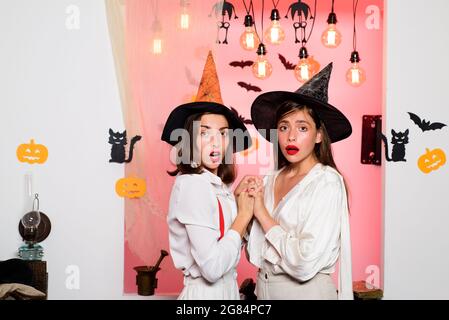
371, 140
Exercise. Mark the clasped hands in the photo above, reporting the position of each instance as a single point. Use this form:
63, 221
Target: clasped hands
250, 201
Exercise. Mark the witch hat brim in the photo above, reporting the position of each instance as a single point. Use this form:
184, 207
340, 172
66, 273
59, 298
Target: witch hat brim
208, 100
312, 94
264, 108
179, 115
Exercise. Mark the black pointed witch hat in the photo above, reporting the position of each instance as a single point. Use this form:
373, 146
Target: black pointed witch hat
314, 94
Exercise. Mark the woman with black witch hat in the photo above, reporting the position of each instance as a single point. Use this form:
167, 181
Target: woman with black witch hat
302, 222
206, 223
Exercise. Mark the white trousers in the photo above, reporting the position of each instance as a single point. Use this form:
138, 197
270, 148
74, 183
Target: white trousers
284, 287
225, 288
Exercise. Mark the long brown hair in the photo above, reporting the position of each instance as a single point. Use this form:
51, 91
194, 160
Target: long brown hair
322, 150
226, 171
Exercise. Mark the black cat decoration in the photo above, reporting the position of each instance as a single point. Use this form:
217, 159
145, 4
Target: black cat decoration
398, 142
426, 125
119, 141
223, 8
303, 12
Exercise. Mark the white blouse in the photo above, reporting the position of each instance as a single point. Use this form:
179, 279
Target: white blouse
194, 227
313, 230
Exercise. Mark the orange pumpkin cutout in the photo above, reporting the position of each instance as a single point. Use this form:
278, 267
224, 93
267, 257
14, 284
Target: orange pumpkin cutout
432, 160
131, 187
32, 153
254, 147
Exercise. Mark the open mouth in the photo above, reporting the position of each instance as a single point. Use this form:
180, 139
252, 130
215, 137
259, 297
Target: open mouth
292, 150
215, 156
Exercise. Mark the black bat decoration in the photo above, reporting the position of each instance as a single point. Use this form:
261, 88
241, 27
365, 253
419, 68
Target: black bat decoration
425, 125
249, 87
243, 119
287, 64
242, 63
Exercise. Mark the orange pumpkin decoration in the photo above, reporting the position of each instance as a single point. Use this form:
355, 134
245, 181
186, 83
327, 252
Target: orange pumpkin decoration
32, 153
432, 160
130, 187
254, 147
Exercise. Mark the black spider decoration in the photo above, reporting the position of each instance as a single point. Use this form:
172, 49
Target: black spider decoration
303, 12
224, 8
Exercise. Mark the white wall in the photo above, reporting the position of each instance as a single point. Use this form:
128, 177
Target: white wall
58, 86
416, 216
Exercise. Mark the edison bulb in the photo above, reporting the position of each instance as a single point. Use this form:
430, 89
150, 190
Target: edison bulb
262, 68
184, 21
157, 38
314, 65
275, 34
356, 76
303, 71
331, 37
306, 69
157, 45
249, 40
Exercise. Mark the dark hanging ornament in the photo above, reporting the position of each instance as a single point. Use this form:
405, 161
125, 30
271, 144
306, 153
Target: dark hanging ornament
302, 12
226, 9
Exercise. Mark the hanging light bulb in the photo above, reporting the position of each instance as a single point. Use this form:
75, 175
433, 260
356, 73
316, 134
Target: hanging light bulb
306, 67
157, 45
249, 39
262, 68
314, 65
355, 76
274, 34
331, 37
157, 38
185, 17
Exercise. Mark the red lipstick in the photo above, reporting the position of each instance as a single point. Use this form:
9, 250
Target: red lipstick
292, 150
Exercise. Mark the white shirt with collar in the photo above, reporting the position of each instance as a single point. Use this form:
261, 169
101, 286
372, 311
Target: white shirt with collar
313, 230
194, 230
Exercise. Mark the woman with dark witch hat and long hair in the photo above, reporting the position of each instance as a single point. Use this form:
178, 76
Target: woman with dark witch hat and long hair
206, 223
301, 225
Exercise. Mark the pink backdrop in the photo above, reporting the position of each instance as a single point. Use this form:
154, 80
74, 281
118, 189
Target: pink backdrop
159, 83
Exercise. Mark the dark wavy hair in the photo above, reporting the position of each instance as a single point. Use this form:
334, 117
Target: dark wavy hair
226, 171
323, 150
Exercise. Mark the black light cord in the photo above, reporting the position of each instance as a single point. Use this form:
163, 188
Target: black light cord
313, 24
255, 24
333, 6
354, 38
246, 7
263, 9
275, 4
